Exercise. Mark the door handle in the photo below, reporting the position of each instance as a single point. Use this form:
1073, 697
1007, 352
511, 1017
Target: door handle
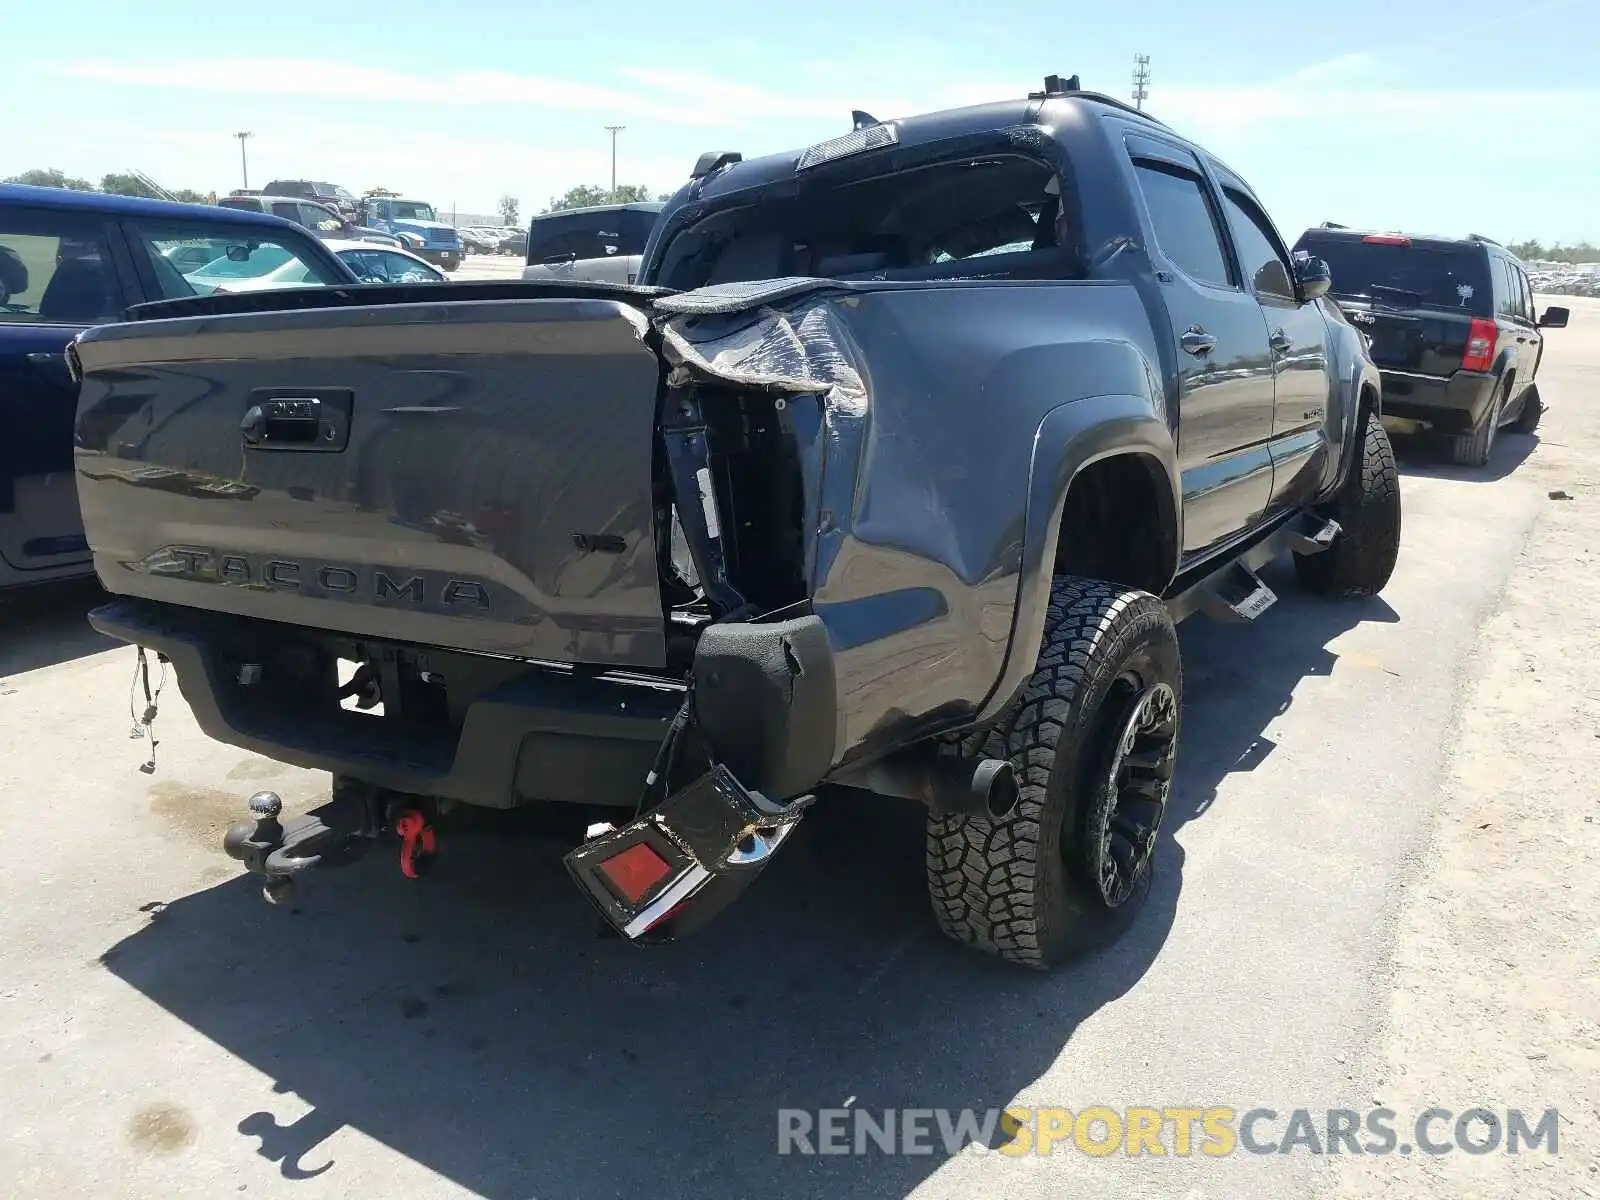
1280, 341
1197, 341
278, 422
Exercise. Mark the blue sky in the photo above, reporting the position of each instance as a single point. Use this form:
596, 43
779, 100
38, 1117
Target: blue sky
1447, 116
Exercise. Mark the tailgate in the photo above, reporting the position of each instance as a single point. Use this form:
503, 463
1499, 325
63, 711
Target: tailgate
473, 474
1420, 340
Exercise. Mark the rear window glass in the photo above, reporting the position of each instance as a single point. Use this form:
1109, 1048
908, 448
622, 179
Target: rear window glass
1406, 276
590, 235
989, 217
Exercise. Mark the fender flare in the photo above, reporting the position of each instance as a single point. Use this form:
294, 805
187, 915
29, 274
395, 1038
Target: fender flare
1362, 378
1071, 437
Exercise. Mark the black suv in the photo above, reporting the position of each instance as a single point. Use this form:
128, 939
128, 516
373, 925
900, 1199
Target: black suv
307, 189
1452, 327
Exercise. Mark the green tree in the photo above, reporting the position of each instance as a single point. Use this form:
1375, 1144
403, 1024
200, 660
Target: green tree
587, 195
52, 178
119, 184
508, 207
583, 196
190, 196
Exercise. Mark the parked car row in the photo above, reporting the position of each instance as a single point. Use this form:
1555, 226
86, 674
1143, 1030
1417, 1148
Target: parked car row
320, 218
493, 239
1565, 279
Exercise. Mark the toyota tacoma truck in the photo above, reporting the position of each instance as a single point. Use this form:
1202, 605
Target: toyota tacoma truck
892, 475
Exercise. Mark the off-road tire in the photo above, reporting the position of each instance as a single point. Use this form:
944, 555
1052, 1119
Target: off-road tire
1532, 409
1023, 886
1367, 508
1472, 449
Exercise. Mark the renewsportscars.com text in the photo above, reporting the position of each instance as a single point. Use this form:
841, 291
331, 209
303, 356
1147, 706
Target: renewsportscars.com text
1179, 1132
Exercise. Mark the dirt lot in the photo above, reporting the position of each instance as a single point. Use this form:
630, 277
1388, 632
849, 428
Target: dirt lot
1379, 885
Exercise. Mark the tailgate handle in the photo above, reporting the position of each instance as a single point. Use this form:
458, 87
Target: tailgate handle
297, 423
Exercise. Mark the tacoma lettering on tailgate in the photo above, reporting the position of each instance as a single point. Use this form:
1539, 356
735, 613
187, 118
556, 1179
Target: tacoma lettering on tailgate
402, 587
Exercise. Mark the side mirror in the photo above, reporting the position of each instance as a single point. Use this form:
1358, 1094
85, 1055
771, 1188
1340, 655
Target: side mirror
1554, 318
1313, 277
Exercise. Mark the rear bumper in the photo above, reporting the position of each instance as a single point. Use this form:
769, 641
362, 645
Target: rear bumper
442, 258
495, 732
1451, 404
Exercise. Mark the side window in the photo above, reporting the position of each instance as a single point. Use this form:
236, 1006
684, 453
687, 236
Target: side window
287, 209
193, 260
1184, 221
314, 216
366, 265
1260, 252
401, 269
1527, 294
551, 241
55, 268
1508, 300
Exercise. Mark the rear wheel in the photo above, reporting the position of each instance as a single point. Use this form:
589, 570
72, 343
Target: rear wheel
1532, 409
1367, 508
1093, 739
1472, 449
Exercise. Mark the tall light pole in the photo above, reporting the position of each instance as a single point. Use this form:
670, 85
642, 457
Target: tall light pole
614, 130
244, 164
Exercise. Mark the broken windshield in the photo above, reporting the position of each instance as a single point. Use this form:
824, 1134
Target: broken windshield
994, 216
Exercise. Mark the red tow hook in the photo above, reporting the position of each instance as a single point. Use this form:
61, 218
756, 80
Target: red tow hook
414, 830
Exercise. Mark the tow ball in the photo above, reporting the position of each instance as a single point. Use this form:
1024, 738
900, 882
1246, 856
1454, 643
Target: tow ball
336, 834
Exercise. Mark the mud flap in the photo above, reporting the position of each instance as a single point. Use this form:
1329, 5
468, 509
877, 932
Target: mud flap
672, 870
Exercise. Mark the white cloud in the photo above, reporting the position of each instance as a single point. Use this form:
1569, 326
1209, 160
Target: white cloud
283, 77
1338, 135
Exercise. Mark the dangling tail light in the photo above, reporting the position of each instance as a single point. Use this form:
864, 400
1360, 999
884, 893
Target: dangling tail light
685, 860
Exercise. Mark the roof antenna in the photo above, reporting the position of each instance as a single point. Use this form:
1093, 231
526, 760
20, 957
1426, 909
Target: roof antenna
862, 120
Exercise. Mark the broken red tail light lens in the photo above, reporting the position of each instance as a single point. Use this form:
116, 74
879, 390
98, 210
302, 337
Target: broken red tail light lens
1386, 239
1479, 355
635, 871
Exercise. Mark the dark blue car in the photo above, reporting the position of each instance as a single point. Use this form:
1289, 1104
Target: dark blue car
70, 260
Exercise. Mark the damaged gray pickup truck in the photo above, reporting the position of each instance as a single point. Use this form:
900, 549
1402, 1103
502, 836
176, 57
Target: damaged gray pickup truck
892, 475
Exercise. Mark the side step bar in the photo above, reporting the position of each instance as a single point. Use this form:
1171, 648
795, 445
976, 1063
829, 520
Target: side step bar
1238, 597
1233, 592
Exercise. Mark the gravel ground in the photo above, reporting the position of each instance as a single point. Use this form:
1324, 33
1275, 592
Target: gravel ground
1379, 884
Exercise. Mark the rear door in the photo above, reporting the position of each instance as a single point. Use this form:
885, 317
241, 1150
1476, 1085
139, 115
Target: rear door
57, 276
1297, 337
1519, 330
1225, 390
1531, 318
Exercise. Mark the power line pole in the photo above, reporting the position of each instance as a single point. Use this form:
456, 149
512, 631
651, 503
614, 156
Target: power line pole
244, 163
1141, 80
614, 130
